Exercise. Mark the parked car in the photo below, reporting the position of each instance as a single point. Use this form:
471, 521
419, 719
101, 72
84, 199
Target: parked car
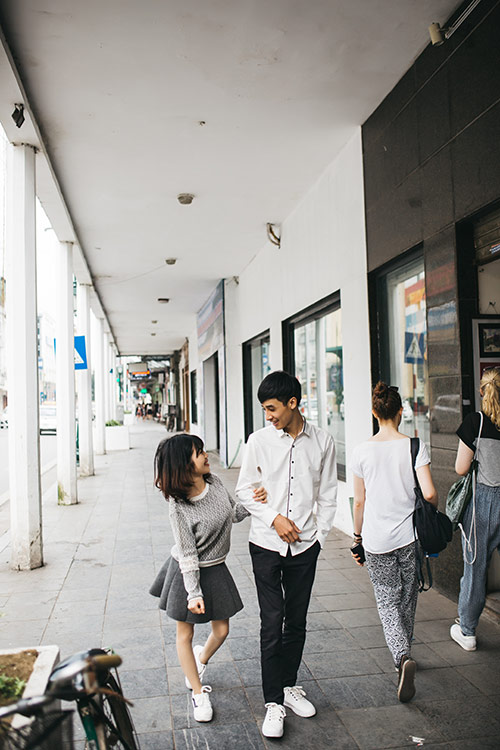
446, 413
4, 420
407, 411
48, 418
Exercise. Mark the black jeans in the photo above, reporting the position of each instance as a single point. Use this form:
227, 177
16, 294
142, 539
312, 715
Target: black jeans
284, 589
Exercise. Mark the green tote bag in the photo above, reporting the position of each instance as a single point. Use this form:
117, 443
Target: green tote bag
460, 493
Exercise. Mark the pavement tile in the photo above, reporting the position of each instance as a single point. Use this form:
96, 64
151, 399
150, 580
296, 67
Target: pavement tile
486, 677
456, 720
360, 692
157, 741
341, 664
230, 706
324, 641
151, 714
243, 736
357, 618
388, 726
144, 683
433, 684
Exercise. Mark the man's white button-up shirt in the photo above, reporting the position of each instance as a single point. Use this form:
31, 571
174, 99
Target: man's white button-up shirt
300, 476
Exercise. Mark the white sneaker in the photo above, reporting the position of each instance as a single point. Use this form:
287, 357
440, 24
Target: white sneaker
199, 666
202, 708
468, 642
295, 699
273, 723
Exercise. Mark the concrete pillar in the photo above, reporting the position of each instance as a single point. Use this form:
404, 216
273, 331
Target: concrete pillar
22, 364
107, 395
65, 380
100, 418
84, 383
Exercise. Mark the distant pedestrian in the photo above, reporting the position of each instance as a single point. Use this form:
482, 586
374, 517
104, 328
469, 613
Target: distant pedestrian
194, 585
485, 512
295, 461
384, 501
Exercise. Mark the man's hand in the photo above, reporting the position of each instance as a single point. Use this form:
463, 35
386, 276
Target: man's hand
286, 529
260, 495
197, 606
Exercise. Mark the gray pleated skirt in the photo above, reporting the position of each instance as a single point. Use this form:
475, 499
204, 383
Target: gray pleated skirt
220, 595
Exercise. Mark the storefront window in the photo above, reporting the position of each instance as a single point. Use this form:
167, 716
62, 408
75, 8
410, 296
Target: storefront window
317, 346
406, 345
255, 368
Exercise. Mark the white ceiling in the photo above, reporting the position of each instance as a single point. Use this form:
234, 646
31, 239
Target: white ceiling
118, 90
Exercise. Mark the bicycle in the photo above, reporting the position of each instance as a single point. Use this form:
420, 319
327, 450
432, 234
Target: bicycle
86, 680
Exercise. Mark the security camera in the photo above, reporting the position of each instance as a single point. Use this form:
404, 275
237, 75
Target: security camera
436, 34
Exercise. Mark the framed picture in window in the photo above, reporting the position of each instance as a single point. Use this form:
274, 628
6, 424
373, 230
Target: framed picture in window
489, 339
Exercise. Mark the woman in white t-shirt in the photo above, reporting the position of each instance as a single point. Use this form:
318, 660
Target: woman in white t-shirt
384, 501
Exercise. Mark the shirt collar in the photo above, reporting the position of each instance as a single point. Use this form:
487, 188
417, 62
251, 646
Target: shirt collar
306, 430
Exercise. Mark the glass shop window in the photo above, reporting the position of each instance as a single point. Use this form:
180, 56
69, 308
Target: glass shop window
404, 341
255, 368
315, 356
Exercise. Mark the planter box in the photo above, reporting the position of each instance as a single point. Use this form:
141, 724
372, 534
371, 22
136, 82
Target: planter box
48, 657
117, 438
128, 419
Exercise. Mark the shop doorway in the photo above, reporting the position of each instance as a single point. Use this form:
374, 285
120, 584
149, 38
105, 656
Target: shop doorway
255, 369
211, 402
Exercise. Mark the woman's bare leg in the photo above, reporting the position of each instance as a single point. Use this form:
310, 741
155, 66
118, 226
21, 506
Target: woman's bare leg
220, 629
187, 661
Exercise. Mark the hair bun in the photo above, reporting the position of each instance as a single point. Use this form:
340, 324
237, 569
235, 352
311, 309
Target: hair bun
381, 390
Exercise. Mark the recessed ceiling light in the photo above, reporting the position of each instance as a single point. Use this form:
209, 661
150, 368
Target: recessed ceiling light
170, 261
164, 300
185, 199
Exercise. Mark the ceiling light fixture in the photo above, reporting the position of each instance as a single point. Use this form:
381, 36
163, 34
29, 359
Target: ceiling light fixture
153, 334
170, 261
185, 199
18, 114
439, 35
154, 322
271, 234
163, 300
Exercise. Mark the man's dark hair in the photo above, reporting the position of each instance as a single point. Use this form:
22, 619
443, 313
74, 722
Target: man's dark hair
174, 466
281, 386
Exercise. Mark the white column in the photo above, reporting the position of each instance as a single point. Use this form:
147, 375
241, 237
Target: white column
65, 380
100, 419
107, 394
22, 364
84, 384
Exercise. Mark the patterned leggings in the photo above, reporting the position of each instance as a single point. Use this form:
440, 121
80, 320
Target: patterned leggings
394, 578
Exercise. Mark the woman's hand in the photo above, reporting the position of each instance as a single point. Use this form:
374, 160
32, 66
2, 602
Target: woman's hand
260, 495
197, 606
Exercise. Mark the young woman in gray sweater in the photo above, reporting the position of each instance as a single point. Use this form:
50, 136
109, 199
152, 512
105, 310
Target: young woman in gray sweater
194, 585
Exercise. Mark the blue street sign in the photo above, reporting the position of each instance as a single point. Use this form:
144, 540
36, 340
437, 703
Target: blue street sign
80, 353
414, 343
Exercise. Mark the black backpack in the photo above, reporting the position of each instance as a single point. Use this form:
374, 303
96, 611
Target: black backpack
434, 529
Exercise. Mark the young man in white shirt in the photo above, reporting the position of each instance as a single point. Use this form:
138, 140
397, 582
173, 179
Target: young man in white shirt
295, 462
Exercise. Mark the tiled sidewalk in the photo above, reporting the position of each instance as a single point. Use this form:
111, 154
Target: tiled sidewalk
101, 557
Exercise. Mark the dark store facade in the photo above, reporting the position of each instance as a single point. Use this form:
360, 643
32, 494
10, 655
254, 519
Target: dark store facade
431, 154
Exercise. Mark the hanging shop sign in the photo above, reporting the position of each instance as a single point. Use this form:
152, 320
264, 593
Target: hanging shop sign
210, 323
80, 353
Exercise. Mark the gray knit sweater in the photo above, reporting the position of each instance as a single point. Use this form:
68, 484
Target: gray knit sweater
202, 532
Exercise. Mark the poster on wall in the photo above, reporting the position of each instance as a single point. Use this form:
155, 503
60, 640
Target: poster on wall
210, 323
486, 341
222, 407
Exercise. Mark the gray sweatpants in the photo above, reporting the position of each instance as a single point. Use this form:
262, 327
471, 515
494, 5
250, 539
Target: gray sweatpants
394, 578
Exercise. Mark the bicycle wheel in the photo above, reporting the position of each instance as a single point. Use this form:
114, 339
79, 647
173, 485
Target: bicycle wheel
120, 733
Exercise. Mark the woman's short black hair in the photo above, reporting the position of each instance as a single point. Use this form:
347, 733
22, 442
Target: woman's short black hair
281, 386
174, 467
